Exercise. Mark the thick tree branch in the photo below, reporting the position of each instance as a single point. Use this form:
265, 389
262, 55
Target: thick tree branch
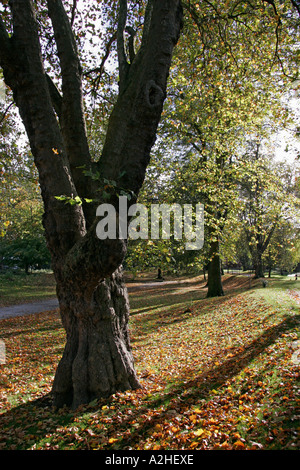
27, 79
72, 113
123, 64
132, 33
4, 42
73, 12
55, 96
6, 60
134, 120
147, 22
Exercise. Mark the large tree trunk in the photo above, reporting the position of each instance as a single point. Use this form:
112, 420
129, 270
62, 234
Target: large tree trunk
93, 300
97, 360
215, 287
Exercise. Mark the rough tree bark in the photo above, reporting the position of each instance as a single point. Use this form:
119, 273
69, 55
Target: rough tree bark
258, 248
97, 360
258, 263
215, 287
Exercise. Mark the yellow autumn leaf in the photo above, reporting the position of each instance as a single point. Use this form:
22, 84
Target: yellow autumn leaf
197, 410
238, 445
199, 432
193, 445
112, 440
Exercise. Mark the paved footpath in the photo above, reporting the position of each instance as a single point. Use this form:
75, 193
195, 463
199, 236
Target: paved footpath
43, 305
27, 309
52, 304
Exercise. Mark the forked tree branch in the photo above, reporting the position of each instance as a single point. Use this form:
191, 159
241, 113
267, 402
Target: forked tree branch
55, 96
122, 59
132, 33
5, 47
6, 111
73, 12
147, 21
99, 70
72, 113
133, 123
24, 73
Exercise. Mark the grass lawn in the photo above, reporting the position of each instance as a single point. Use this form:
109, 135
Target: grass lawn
19, 288
218, 373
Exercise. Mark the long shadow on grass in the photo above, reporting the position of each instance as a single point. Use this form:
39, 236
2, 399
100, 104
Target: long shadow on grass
22, 325
163, 297
283, 284
183, 392
176, 313
176, 295
27, 424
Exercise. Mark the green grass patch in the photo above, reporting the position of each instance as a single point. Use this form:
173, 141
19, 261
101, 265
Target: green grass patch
19, 288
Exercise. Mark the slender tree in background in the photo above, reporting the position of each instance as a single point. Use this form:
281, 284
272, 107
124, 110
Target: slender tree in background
97, 359
269, 205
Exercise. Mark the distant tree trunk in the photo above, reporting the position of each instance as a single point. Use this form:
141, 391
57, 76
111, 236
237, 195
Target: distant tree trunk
270, 270
258, 263
97, 360
259, 271
159, 275
215, 287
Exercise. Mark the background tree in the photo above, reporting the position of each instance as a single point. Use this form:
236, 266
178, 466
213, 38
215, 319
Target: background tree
227, 81
268, 204
283, 251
